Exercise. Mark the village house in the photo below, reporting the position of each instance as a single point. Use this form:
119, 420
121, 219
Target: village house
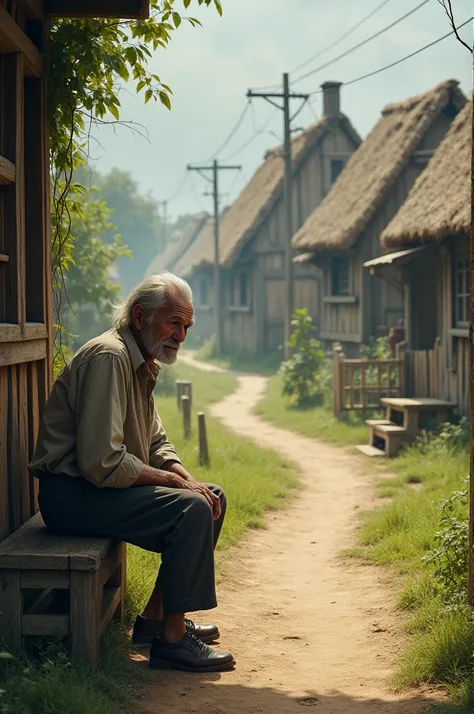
344, 232
430, 235
178, 243
252, 237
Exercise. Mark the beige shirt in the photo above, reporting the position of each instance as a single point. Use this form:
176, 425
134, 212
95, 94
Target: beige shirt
100, 421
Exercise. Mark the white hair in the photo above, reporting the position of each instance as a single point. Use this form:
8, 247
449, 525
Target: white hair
152, 293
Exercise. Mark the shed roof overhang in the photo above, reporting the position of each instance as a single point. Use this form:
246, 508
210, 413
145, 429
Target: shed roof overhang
397, 259
127, 9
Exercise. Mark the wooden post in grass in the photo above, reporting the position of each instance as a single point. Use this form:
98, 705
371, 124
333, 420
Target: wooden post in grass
184, 386
186, 409
203, 445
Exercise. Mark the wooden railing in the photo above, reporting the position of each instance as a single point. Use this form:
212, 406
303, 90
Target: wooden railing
360, 384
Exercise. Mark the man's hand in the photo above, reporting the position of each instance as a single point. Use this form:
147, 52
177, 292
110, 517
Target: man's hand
176, 481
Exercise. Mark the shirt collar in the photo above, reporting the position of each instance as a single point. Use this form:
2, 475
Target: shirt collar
136, 356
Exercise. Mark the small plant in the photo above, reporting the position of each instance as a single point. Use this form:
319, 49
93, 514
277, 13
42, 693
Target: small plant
208, 350
304, 375
450, 555
376, 349
450, 437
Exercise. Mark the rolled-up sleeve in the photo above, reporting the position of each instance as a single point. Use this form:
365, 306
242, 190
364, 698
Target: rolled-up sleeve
101, 404
161, 450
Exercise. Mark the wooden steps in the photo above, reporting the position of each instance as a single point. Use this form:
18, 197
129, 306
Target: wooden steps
371, 451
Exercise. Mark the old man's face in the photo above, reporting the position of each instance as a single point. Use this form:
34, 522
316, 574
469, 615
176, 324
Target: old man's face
163, 337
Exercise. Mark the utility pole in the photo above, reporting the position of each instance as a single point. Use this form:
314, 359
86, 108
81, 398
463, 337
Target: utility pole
164, 204
286, 95
215, 168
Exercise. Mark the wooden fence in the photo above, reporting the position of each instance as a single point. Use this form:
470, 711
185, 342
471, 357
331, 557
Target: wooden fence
359, 384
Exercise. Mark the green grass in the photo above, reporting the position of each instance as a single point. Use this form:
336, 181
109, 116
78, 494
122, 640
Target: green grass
317, 422
240, 360
398, 534
254, 479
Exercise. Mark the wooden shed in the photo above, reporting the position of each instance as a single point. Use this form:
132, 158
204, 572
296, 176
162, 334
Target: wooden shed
429, 239
25, 262
344, 232
253, 234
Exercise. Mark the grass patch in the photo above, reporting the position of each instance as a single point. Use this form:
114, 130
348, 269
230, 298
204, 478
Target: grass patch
317, 422
43, 681
239, 360
398, 535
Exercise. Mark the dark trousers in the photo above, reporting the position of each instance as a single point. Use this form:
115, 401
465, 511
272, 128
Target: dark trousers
174, 522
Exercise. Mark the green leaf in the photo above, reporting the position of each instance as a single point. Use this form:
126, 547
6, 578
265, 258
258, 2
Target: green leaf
218, 5
148, 95
131, 55
176, 19
114, 111
186, 3
6, 655
164, 99
140, 85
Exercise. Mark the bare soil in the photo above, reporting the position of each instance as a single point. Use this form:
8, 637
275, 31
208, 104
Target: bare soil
307, 627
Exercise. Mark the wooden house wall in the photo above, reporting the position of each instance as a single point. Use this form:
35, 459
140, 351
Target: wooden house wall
374, 305
260, 328
25, 281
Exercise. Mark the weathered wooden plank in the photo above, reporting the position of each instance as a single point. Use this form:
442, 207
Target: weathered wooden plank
4, 258
7, 171
47, 625
14, 333
36, 579
132, 9
13, 195
34, 9
85, 617
14, 459
110, 563
110, 602
35, 177
4, 492
22, 445
12, 353
34, 546
202, 436
10, 608
33, 426
13, 40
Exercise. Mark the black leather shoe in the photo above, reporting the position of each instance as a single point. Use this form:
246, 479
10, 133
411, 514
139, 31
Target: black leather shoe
145, 630
189, 654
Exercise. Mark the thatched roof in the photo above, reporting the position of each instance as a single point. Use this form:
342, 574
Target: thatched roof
178, 244
256, 200
439, 204
373, 169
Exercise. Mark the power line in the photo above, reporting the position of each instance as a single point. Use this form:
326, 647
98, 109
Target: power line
178, 190
234, 131
403, 59
258, 132
361, 44
341, 38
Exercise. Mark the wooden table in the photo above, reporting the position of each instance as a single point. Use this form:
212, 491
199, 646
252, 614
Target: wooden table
411, 409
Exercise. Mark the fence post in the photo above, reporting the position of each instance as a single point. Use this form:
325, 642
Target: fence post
337, 382
203, 445
184, 386
400, 355
186, 408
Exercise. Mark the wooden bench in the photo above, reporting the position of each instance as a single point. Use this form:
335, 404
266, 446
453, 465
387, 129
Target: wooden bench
60, 586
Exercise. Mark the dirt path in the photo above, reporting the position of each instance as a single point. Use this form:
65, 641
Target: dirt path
306, 628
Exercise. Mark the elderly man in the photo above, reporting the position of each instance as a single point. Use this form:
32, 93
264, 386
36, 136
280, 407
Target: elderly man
107, 469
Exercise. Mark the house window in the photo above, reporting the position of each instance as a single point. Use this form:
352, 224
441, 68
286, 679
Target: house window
462, 293
204, 293
340, 276
336, 167
239, 290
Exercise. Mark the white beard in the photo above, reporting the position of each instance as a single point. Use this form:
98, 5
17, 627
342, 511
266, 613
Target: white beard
157, 348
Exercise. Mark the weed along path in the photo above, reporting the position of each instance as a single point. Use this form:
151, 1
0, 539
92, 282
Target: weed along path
307, 628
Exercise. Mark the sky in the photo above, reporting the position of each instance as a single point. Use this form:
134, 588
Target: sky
211, 68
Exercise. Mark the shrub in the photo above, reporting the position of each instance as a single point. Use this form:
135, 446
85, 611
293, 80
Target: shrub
376, 349
304, 375
450, 555
165, 385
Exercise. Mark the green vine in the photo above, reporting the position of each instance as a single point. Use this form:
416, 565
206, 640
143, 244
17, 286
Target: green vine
90, 61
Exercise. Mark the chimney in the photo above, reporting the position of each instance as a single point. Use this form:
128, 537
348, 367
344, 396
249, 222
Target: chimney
331, 99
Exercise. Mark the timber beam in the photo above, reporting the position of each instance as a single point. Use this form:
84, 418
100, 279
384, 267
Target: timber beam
7, 171
127, 9
13, 39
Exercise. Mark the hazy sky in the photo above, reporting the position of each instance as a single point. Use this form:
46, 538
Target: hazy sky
211, 68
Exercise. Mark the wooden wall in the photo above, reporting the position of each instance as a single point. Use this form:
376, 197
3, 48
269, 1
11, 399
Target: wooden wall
25, 280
